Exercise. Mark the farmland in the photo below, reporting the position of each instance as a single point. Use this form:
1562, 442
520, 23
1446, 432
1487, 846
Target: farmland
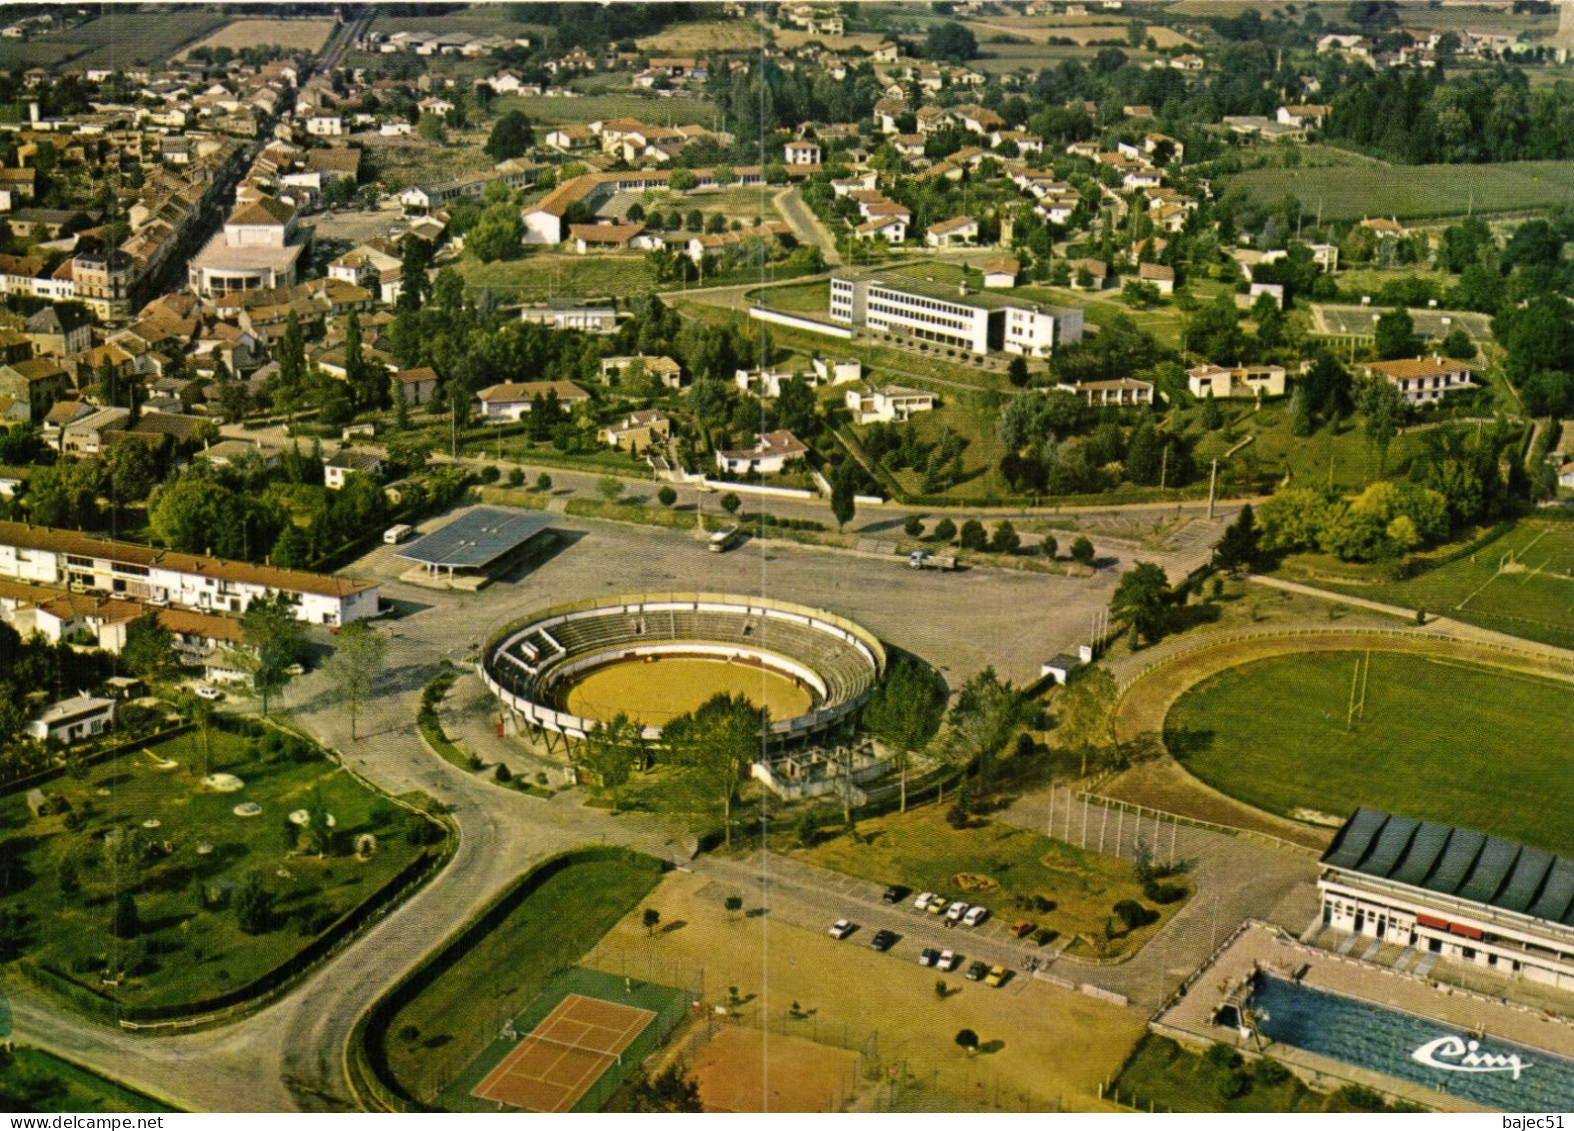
120, 37
1438, 739
299, 35
545, 275
581, 110
1353, 192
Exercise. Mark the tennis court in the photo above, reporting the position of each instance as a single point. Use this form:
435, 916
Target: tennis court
562, 1057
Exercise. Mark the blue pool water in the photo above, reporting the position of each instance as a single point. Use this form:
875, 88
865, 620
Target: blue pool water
1385, 1040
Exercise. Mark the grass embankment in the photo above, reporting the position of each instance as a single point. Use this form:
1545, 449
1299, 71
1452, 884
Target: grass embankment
32, 1080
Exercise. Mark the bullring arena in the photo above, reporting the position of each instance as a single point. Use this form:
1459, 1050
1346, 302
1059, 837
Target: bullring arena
653, 657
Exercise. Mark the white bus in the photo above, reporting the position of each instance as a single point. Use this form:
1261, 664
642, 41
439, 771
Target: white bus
723, 539
396, 534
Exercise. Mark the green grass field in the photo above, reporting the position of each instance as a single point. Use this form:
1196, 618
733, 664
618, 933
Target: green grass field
1163, 1076
190, 947
543, 275
920, 849
1520, 582
459, 1013
1439, 740
33, 1080
120, 37
1353, 192
596, 107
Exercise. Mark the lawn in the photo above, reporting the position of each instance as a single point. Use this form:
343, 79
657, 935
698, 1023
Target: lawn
1438, 740
34, 1080
1163, 1076
1520, 582
457, 1014
543, 275
183, 854
813, 299
921, 849
1413, 192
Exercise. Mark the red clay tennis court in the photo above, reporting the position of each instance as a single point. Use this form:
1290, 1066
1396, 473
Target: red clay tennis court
558, 1061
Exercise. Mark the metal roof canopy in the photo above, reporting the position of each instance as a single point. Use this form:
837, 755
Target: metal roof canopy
477, 539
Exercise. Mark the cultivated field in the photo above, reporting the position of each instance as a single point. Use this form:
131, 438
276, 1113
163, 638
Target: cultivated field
715, 35
1047, 1044
120, 37
147, 823
1354, 192
1520, 582
301, 35
581, 110
1438, 739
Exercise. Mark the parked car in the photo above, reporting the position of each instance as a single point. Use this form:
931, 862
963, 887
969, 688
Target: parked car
206, 692
883, 940
842, 928
1021, 929
295, 670
938, 905
958, 909
948, 960
928, 956
895, 893
975, 916
976, 971
925, 898
997, 976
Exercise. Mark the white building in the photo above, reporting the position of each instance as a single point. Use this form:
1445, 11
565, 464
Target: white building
890, 404
1424, 380
769, 455
1241, 381
948, 233
510, 400
259, 247
45, 556
1460, 895
73, 720
954, 317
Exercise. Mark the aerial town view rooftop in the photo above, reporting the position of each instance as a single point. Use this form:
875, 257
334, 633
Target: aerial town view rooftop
991, 556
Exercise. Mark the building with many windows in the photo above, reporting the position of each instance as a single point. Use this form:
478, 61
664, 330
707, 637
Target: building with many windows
1460, 895
952, 316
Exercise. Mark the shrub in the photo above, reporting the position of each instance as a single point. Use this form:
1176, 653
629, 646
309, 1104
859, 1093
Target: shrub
1082, 550
730, 502
973, 536
666, 496
490, 473
543, 482
1231, 1085
1268, 1072
516, 477
913, 527
1133, 914
502, 775
945, 530
1049, 547
1221, 1057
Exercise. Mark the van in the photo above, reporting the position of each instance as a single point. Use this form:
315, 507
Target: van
396, 534
722, 540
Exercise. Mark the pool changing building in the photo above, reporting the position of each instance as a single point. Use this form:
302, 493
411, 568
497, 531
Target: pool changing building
952, 316
1463, 896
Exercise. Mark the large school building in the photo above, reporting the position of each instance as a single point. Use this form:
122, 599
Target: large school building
46, 556
1461, 895
952, 316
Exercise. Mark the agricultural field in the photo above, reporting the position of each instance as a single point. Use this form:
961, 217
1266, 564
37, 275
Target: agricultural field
1520, 582
399, 162
441, 1029
120, 37
921, 849
1437, 739
474, 19
1353, 192
46, 1083
697, 38
542, 275
148, 822
298, 35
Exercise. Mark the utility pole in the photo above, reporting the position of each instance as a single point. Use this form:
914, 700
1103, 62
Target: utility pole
1213, 479
1164, 466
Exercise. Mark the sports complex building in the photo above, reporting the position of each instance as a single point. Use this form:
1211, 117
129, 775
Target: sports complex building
1460, 895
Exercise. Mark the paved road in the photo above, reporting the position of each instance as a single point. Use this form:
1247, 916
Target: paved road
790, 203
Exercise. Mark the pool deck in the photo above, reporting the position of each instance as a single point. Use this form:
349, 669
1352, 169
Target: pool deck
1259, 945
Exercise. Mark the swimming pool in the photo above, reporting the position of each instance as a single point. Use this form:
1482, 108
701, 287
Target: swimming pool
1492, 1072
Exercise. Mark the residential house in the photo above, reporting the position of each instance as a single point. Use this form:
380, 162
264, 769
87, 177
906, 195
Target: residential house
1224, 383
510, 400
1422, 380
639, 431
416, 386
337, 468
959, 230
663, 369
891, 403
1117, 393
73, 720
39, 381
770, 454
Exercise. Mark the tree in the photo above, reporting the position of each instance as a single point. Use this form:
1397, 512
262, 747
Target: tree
254, 906
945, 530
1016, 371
1145, 456
952, 42
124, 921
670, 1090
913, 526
1082, 550
715, 742
611, 750
844, 485
987, 711
650, 919
1140, 599
967, 1041
683, 180
904, 713
1459, 344
133, 469
730, 502
1211, 418
415, 284
274, 640
1238, 548
1049, 546
1085, 711
357, 659
973, 536
149, 650
1005, 539
512, 136
666, 496
1395, 335
431, 129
